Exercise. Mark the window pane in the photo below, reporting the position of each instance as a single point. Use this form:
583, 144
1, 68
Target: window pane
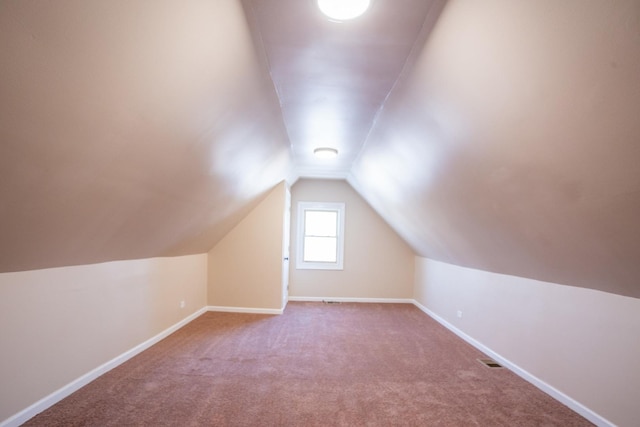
320, 236
320, 223
320, 249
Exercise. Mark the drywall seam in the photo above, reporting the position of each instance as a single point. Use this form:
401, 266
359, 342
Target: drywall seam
349, 299
61, 393
244, 310
550, 390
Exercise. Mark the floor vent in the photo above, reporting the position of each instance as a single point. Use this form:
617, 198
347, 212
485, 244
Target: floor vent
490, 363
330, 302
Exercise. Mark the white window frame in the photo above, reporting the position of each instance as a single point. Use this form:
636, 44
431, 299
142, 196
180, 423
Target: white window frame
301, 264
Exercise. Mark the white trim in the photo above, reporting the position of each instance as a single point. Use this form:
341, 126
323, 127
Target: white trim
55, 397
244, 310
317, 173
550, 390
350, 299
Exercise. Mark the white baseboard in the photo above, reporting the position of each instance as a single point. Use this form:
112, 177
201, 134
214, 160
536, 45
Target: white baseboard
61, 393
550, 390
245, 310
348, 299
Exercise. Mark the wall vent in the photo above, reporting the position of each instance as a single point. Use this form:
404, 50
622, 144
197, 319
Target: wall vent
490, 363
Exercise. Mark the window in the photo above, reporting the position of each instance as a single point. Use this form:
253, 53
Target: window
320, 240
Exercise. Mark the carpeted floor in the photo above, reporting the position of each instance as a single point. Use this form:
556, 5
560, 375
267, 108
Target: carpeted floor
315, 365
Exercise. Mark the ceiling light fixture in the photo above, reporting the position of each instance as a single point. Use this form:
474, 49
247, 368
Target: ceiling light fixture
325, 153
343, 10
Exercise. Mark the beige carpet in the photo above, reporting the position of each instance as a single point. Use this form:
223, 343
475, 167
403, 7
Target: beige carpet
315, 365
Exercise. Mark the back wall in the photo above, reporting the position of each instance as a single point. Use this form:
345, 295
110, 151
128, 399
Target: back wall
377, 262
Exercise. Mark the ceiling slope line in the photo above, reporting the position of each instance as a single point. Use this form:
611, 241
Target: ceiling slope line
261, 52
418, 44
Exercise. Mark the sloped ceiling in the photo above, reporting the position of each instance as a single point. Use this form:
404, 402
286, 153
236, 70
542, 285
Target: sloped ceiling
498, 135
130, 129
513, 143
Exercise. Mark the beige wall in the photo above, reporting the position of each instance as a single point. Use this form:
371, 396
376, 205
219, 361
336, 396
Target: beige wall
582, 342
377, 263
58, 324
245, 267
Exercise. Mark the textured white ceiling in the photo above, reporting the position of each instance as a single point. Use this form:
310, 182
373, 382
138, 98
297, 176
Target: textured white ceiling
332, 78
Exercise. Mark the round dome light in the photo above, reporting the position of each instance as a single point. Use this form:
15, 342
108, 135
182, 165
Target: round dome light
325, 153
343, 10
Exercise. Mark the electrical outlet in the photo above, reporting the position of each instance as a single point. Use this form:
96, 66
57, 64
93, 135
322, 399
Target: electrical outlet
182, 304
459, 313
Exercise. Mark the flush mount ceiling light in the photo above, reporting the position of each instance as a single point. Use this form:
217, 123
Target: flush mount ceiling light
343, 10
325, 153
